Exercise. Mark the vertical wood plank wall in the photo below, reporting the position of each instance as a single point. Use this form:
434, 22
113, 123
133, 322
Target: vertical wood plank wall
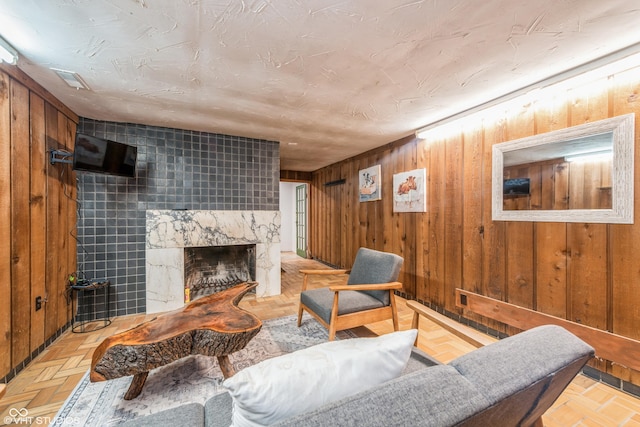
37, 217
574, 185
587, 273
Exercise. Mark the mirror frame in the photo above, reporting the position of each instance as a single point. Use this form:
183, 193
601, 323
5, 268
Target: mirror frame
623, 174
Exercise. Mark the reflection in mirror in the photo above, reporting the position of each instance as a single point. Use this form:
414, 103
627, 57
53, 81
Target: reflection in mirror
572, 174
578, 174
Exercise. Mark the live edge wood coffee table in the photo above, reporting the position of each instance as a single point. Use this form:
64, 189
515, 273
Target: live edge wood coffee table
213, 325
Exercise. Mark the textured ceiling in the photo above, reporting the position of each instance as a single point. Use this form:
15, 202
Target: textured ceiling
328, 79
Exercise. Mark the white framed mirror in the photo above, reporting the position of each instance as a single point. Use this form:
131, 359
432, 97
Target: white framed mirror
578, 174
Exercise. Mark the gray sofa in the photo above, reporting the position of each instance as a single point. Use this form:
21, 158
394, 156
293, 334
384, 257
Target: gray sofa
509, 383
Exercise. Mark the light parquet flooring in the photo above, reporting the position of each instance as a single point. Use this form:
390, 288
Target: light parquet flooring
43, 386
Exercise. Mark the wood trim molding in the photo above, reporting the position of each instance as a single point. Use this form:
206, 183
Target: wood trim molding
295, 176
615, 348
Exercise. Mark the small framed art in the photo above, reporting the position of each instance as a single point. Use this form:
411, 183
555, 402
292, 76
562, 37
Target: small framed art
410, 191
370, 184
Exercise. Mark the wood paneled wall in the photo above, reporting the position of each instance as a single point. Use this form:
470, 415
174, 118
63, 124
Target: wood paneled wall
587, 273
560, 185
37, 217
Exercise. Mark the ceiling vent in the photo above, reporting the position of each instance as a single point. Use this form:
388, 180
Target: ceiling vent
72, 79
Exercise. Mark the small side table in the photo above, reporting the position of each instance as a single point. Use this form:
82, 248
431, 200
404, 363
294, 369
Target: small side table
86, 302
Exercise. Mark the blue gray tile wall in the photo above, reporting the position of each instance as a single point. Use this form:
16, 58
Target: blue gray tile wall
177, 169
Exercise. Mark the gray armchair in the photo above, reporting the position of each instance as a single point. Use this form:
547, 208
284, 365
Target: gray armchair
366, 298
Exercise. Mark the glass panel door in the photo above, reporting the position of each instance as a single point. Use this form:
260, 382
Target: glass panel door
301, 220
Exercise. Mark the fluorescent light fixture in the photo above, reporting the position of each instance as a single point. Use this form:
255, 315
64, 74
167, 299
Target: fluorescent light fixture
592, 156
7, 53
72, 79
582, 75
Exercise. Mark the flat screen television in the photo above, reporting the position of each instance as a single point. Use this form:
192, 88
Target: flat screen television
93, 154
516, 187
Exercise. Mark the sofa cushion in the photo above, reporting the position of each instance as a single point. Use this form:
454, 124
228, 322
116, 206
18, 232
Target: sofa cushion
507, 366
320, 301
432, 397
294, 383
419, 360
217, 411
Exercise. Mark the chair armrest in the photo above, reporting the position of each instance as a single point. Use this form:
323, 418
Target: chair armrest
332, 271
307, 273
364, 287
466, 333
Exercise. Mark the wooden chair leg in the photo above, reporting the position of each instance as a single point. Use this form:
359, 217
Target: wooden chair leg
334, 317
304, 288
394, 312
332, 332
299, 315
396, 325
415, 324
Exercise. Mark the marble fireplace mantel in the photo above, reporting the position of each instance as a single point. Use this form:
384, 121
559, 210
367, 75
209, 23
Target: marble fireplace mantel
170, 231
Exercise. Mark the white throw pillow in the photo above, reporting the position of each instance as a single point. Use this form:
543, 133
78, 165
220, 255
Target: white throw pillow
298, 382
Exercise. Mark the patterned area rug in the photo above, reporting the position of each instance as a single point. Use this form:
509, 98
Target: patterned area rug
191, 379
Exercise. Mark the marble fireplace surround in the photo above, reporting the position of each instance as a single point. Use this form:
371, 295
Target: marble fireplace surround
168, 232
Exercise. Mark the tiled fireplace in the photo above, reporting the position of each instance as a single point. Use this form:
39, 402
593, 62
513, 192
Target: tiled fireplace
169, 232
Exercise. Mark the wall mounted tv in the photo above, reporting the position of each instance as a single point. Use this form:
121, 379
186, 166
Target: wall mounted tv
516, 187
93, 154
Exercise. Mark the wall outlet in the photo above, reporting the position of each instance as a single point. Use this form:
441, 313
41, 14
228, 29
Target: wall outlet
38, 303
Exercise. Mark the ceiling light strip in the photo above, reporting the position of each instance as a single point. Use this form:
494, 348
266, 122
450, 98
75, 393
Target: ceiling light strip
7, 53
615, 62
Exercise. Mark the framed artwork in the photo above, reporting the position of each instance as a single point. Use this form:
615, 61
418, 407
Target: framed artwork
370, 184
410, 191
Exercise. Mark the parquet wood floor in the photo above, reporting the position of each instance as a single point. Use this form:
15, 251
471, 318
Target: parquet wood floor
43, 386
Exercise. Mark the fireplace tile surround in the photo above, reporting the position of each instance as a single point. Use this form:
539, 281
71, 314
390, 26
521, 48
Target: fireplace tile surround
168, 232
177, 169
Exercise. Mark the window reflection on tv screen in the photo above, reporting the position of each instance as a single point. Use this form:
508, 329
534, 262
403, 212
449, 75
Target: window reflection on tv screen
99, 155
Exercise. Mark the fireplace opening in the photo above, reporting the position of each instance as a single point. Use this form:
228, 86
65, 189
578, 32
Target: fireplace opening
213, 269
